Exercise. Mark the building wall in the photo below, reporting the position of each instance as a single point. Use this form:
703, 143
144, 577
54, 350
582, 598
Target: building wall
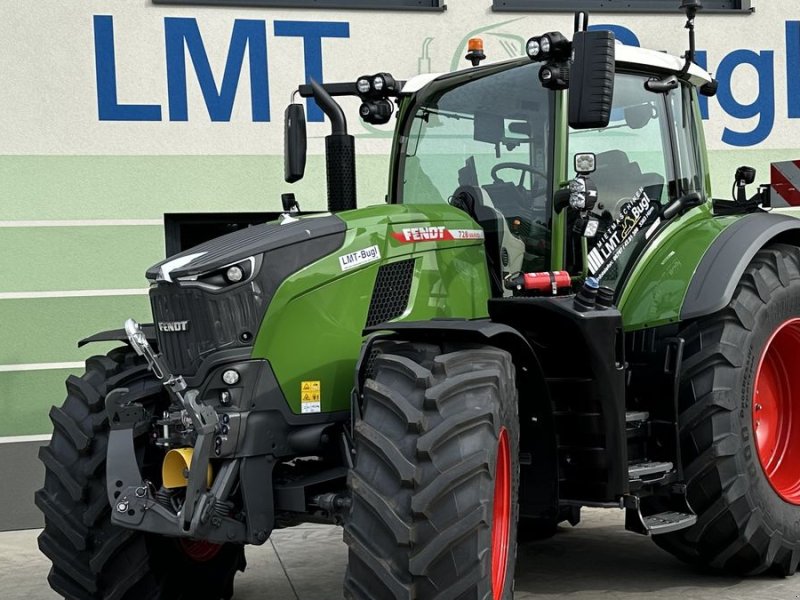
114, 113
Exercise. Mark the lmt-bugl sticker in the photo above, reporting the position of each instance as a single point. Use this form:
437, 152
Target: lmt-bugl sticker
612, 243
359, 257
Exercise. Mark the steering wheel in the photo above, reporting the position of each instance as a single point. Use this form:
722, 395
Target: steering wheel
525, 168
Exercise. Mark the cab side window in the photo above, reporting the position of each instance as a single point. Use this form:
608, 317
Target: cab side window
631, 150
632, 176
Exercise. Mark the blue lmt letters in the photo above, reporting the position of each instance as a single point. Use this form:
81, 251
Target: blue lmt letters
184, 45
184, 48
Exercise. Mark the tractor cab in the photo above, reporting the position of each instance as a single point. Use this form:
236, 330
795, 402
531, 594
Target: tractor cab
496, 142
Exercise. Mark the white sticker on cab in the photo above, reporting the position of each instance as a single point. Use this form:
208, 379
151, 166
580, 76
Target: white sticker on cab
359, 257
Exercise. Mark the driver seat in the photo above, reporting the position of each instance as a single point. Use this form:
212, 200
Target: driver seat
505, 252
509, 199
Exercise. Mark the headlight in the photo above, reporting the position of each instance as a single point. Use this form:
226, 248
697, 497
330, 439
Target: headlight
223, 277
234, 274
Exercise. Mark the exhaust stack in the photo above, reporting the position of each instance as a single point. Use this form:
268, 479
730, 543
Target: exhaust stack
340, 154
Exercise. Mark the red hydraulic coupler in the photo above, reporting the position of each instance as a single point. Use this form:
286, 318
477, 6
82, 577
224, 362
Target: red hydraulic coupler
544, 283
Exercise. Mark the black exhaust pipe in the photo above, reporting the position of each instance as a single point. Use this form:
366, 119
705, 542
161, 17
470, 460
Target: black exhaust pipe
340, 154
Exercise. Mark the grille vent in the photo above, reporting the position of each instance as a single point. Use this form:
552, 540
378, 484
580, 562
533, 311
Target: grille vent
391, 293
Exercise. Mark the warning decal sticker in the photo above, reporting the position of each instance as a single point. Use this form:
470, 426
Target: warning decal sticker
310, 392
611, 244
433, 233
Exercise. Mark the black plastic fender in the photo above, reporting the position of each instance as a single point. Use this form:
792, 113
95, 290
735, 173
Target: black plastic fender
723, 264
118, 335
481, 331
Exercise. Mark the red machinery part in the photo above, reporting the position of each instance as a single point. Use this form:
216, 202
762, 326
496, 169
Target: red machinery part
547, 281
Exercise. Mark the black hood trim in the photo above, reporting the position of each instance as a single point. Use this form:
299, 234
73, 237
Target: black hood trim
248, 242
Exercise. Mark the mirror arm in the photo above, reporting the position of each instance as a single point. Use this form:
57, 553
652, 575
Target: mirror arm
682, 204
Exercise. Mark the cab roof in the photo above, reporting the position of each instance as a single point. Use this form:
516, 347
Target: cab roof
629, 56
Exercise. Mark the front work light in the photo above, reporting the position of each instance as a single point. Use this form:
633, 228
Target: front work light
554, 76
585, 163
363, 85
379, 85
544, 42
534, 48
376, 112
549, 46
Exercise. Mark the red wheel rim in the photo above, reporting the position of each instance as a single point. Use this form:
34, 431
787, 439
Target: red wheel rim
199, 550
501, 519
776, 411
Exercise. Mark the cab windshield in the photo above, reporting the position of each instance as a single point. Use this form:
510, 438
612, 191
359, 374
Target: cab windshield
490, 137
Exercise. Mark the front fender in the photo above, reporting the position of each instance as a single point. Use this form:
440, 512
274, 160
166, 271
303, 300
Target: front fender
119, 335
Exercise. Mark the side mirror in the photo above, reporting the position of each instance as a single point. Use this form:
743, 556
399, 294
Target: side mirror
294, 147
591, 82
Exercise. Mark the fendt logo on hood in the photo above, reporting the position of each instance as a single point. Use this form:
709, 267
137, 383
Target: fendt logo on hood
433, 233
171, 326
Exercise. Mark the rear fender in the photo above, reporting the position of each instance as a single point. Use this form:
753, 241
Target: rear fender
723, 264
691, 269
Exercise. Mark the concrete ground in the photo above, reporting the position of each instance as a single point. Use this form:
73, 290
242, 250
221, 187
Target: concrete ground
596, 560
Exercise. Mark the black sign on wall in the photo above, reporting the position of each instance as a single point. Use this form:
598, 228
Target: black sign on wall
437, 5
640, 6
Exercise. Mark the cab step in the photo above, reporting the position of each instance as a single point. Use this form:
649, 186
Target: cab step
659, 523
667, 522
648, 470
636, 416
641, 518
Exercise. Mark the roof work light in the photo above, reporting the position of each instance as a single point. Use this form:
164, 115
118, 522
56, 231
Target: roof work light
549, 46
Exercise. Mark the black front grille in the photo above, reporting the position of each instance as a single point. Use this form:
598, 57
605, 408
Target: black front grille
214, 322
391, 293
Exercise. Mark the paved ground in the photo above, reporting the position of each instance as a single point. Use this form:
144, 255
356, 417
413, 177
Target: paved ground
597, 560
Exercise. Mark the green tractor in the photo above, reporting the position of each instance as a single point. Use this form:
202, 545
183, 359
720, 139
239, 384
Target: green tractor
549, 312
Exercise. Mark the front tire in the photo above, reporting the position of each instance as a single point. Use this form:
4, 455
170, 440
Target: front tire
740, 425
436, 476
93, 559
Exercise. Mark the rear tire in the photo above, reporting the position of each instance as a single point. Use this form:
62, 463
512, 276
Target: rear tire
744, 525
92, 559
436, 476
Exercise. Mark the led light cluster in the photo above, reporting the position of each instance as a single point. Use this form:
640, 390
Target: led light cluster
550, 46
374, 91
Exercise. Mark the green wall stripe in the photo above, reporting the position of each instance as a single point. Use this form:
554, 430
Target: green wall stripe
145, 187
47, 329
77, 258
25, 400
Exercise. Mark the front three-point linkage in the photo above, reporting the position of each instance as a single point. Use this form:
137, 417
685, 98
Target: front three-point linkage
204, 419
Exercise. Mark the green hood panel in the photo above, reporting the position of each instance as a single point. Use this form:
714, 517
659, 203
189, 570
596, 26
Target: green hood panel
312, 329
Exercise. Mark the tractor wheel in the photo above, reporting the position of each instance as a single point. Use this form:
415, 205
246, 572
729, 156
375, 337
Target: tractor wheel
740, 425
92, 559
436, 476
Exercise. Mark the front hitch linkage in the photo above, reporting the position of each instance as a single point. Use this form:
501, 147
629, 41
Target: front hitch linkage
204, 419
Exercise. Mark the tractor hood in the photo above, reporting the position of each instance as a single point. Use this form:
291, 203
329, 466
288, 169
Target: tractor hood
245, 243
200, 308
